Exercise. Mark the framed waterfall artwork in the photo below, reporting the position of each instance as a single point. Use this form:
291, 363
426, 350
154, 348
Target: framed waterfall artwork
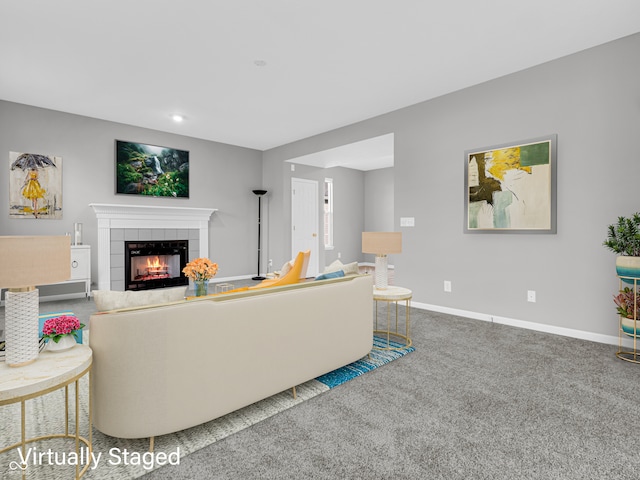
511, 188
151, 170
35, 186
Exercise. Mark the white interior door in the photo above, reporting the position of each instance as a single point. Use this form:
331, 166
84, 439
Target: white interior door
304, 221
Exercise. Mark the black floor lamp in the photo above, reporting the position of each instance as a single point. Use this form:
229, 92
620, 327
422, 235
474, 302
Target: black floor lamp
259, 193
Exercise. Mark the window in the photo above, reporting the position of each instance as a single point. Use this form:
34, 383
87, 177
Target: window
328, 213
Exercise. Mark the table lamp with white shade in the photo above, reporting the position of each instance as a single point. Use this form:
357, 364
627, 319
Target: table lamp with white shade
27, 261
381, 244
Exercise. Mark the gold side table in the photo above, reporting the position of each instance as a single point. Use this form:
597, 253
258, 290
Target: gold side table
51, 371
393, 294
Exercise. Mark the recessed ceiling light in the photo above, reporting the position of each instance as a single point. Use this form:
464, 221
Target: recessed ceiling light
177, 118
260, 63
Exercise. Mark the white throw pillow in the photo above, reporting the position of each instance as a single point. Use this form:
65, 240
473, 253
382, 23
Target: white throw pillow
351, 268
285, 268
348, 269
334, 267
112, 300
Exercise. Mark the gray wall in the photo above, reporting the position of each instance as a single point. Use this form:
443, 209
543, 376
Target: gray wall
362, 201
221, 176
348, 193
350, 197
378, 200
378, 204
349, 214
592, 102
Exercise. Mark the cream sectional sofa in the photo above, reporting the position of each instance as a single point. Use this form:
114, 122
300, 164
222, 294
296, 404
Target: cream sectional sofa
163, 368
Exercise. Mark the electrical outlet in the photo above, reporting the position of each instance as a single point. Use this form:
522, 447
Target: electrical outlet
270, 262
447, 286
531, 296
339, 255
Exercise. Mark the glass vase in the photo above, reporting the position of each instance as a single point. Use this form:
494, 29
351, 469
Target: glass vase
202, 287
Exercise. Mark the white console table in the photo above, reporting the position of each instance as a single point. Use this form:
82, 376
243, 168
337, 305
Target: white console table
81, 267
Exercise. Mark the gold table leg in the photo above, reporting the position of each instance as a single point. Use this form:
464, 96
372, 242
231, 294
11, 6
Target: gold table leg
406, 337
22, 444
23, 434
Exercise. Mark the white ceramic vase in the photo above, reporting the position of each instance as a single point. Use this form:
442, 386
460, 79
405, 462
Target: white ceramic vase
628, 268
65, 343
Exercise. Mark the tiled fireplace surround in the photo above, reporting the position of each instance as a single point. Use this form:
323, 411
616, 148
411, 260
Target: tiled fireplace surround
120, 223
119, 235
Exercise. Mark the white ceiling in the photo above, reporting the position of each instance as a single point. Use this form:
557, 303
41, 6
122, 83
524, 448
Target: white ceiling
329, 63
370, 154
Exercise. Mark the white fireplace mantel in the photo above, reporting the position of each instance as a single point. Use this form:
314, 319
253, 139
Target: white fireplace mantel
141, 216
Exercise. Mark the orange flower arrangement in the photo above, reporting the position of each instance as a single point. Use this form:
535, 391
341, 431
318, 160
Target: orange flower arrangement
200, 269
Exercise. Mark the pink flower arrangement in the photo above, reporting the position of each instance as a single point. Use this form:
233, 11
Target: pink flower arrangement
57, 327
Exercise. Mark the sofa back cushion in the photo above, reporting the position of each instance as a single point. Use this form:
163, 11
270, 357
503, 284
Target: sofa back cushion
106, 300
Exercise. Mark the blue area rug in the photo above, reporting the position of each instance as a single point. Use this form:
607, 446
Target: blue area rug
365, 364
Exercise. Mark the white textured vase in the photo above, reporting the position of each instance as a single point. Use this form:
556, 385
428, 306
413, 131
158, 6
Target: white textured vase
21, 324
65, 343
382, 272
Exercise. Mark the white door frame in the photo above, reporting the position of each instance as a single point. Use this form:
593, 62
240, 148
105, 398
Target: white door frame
311, 240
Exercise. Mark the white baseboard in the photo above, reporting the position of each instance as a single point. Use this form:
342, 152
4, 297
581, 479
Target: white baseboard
63, 296
540, 327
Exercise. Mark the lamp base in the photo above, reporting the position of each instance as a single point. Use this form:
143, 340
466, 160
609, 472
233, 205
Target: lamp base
257, 278
382, 272
21, 325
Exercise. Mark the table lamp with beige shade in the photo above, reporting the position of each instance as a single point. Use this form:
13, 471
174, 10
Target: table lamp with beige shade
381, 244
27, 261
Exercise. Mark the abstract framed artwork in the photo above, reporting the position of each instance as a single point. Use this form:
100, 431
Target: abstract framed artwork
511, 188
35, 186
151, 170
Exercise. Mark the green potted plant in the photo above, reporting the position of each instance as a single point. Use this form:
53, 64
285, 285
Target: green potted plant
623, 238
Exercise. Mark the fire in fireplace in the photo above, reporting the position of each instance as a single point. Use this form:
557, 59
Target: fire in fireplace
155, 264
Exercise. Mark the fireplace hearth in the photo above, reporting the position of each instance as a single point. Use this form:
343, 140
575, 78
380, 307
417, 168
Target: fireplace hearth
155, 264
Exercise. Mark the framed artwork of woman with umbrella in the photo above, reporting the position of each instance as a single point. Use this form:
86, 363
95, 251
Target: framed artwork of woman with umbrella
35, 186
